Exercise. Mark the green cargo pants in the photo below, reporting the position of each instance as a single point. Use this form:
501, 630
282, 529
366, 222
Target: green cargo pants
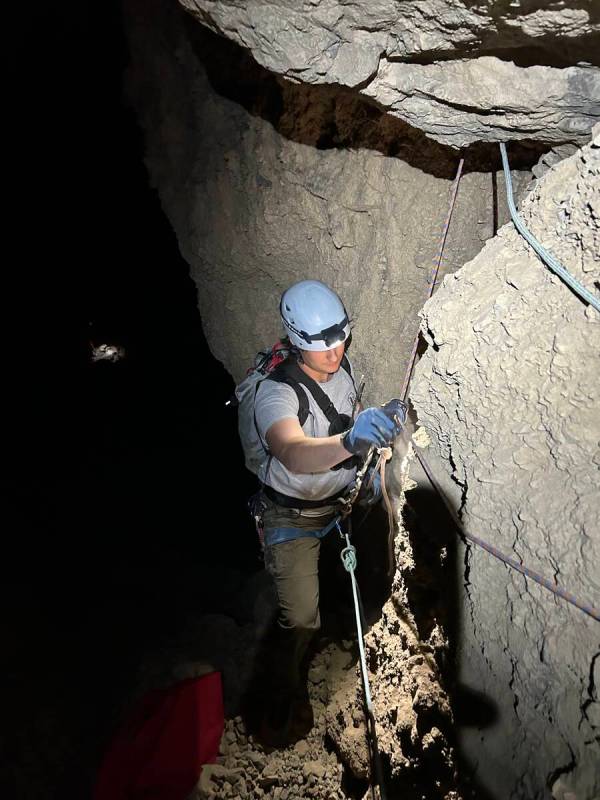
294, 567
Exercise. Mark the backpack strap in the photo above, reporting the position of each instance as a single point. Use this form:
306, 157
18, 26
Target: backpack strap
290, 373
346, 365
280, 375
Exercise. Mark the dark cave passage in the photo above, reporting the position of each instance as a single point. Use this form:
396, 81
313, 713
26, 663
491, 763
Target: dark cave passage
123, 483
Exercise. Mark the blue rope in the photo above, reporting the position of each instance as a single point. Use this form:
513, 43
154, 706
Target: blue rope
544, 254
348, 556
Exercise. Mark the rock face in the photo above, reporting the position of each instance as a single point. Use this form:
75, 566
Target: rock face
298, 182
411, 709
471, 100
456, 100
267, 180
510, 388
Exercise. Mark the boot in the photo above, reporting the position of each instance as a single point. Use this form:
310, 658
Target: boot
274, 730
303, 719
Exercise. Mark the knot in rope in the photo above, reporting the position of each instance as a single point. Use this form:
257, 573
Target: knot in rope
348, 555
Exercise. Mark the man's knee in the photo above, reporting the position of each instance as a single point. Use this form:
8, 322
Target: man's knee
305, 619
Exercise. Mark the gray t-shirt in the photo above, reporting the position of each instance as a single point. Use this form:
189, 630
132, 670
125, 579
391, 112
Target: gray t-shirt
276, 401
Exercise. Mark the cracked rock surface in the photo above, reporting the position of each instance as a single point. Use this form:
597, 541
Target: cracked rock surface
509, 389
470, 100
474, 78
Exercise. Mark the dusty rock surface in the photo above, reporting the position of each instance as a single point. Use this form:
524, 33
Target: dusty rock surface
509, 390
456, 100
330, 41
266, 181
472, 100
296, 182
410, 707
309, 768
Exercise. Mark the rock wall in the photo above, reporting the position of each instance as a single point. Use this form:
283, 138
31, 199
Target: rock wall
510, 388
266, 180
268, 183
480, 71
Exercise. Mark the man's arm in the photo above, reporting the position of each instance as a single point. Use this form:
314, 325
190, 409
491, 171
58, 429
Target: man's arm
304, 454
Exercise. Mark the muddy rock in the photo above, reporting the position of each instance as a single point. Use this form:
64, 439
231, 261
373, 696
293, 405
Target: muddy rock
472, 100
410, 707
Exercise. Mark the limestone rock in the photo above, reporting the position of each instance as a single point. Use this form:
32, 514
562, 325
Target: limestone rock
258, 202
509, 390
319, 41
466, 96
465, 101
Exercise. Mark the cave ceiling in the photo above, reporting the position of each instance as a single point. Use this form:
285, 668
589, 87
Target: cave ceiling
458, 70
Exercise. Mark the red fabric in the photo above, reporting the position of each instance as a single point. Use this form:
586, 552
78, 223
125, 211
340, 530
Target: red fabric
159, 751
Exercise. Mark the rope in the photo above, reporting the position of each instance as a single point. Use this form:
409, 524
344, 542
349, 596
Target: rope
434, 274
552, 586
349, 501
348, 556
385, 455
544, 254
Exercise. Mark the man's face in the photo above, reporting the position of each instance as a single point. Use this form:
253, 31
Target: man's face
324, 362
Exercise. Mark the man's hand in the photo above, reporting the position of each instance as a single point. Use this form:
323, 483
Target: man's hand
374, 427
396, 410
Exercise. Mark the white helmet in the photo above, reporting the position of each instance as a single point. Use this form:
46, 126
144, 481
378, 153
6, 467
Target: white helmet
314, 316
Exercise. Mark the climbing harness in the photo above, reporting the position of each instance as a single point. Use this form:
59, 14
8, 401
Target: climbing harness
544, 254
433, 278
552, 586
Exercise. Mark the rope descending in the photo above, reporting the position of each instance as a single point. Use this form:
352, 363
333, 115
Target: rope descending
348, 556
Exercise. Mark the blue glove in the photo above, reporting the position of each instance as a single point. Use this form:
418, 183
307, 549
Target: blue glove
396, 410
372, 428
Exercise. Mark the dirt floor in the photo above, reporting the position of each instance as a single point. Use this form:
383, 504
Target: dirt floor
405, 653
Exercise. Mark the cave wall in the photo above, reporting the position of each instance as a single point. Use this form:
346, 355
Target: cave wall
509, 389
266, 182
463, 71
